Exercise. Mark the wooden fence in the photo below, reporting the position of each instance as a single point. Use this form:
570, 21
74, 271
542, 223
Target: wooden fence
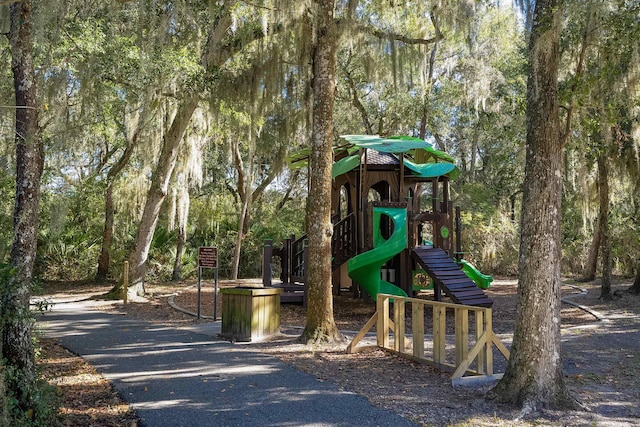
472, 359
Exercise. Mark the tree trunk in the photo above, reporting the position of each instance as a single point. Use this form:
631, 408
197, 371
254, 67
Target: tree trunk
428, 84
591, 266
107, 235
109, 210
320, 326
17, 348
474, 150
244, 192
177, 265
242, 218
215, 54
157, 192
603, 192
635, 288
533, 377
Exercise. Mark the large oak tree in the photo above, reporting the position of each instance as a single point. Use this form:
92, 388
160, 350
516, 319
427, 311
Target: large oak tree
17, 347
533, 377
320, 325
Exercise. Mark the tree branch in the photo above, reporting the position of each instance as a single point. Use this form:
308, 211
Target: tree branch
386, 35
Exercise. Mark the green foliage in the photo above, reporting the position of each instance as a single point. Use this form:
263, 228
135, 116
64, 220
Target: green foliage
71, 224
42, 402
490, 236
214, 221
7, 191
22, 401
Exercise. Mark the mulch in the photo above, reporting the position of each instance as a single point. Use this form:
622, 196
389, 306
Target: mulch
424, 394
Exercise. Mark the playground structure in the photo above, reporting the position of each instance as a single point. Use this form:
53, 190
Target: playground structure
393, 226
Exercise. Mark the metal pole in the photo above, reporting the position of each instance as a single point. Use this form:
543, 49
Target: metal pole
125, 283
215, 296
199, 278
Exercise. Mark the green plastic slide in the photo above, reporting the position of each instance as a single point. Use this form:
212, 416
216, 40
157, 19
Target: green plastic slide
364, 269
483, 281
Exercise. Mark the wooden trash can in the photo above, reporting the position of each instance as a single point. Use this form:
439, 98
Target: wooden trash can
250, 314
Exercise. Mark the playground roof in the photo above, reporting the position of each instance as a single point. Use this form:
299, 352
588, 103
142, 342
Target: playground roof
400, 144
427, 162
438, 163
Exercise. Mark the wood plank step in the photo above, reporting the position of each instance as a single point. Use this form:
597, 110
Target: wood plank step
434, 257
448, 274
462, 287
452, 281
441, 267
444, 266
477, 301
469, 293
431, 253
457, 286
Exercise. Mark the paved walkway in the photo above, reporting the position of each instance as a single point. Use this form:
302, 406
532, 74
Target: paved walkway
180, 377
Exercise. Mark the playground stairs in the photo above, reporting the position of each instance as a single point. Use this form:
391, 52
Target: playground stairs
449, 277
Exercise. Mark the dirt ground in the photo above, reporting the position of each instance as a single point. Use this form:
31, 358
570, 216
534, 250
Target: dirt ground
601, 355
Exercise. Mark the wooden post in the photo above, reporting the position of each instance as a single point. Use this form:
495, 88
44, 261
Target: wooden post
398, 322
125, 283
445, 195
439, 333
481, 365
435, 206
382, 326
285, 259
291, 259
267, 255
458, 232
488, 326
417, 328
461, 318
401, 196
305, 263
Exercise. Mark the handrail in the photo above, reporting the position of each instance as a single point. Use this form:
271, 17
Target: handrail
343, 241
298, 260
477, 348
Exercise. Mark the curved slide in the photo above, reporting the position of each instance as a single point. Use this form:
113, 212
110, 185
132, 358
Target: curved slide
483, 281
364, 269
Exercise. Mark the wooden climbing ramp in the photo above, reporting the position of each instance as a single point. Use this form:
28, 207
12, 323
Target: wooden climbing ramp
449, 278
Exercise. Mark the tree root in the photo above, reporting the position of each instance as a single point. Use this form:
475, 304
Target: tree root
321, 335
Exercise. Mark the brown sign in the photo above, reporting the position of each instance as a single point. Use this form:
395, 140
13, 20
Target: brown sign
207, 257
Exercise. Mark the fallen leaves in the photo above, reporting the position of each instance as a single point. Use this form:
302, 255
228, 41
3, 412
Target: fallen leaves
87, 399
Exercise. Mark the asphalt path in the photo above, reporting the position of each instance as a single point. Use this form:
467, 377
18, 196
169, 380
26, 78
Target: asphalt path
179, 377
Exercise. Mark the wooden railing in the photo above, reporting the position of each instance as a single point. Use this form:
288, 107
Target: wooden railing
293, 255
472, 358
343, 242
299, 260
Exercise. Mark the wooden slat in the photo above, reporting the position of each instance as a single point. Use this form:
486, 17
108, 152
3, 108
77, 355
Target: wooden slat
434, 257
456, 284
431, 254
445, 274
417, 328
468, 295
470, 292
444, 266
481, 302
439, 333
461, 319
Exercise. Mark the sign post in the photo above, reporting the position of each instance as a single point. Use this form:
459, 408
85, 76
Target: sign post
208, 258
